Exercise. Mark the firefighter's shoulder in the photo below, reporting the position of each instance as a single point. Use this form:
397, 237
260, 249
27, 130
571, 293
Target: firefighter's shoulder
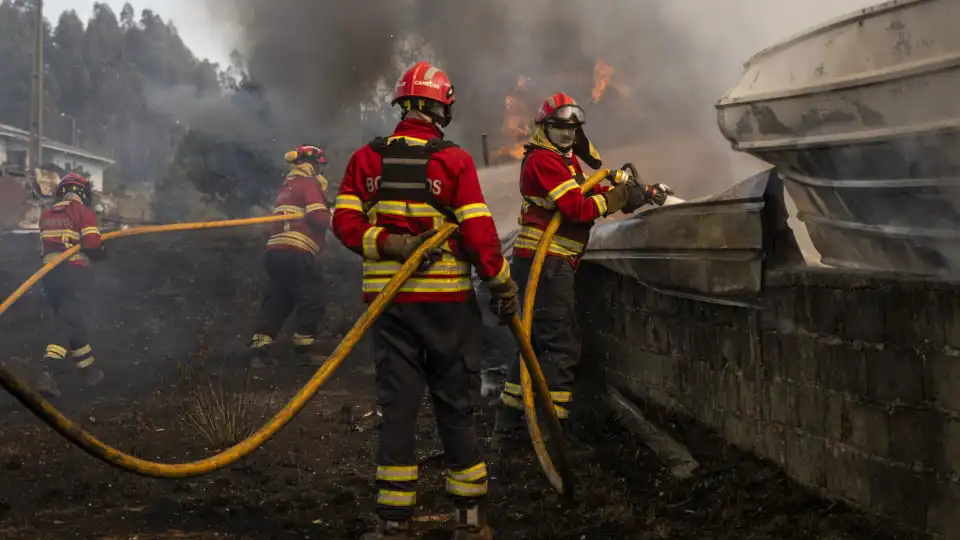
454, 158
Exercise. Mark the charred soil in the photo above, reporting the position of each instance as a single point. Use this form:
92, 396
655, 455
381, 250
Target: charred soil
170, 315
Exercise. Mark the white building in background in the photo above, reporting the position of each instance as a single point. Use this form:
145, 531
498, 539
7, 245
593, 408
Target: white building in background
14, 143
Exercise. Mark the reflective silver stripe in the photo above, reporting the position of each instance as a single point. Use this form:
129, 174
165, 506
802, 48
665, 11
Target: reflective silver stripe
562, 190
471, 211
396, 498
465, 489
473, 474
434, 285
351, 202
405, 161
397, 473
402, 185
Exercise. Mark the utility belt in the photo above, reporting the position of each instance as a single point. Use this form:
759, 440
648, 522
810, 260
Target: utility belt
80, 257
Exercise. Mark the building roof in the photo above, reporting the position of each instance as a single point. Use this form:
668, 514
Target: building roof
24, 135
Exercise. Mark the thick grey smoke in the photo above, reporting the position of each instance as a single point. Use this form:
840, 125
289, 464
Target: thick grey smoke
319, 59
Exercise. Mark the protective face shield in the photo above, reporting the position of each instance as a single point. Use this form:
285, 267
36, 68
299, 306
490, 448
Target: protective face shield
562, 135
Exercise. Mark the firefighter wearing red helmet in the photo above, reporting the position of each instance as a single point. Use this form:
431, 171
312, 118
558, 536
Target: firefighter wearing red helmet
292, 261
396, 191
550, 179
70, 222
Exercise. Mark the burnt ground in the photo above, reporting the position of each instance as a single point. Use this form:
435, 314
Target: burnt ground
169, 317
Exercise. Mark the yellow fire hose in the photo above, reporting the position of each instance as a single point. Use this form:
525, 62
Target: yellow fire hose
93, 446
562, 481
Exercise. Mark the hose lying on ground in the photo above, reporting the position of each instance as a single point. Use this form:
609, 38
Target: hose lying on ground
562, 482
96, 448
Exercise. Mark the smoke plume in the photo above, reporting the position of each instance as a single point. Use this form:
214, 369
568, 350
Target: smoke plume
319, 60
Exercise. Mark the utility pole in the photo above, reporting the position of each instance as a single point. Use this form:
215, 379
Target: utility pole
36, 114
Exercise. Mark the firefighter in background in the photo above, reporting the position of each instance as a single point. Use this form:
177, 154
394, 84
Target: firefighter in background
550, 179
291, 261
396, 191
70, 222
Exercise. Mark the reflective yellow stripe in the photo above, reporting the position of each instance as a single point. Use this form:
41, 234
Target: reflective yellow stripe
397, 474
78, 257
601, 203
89, 230
502, 276
56, 351
542, 203
405, 209
303, 340
397, 498
317, 207
348, 202
511, 401
82, 351
465, 489
562, 190
471, 211
513, 389
529, 238
473, 474
60, 234
86, 363
425, 285
376, 269
411, 140
562, 413
561, 397
260, 341
288, 209
370, 250
295, 239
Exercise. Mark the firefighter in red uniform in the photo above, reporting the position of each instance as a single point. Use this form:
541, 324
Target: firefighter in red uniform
68, 223
395, 193
291, 261
550, 180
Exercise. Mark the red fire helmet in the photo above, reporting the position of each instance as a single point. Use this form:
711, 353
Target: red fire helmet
307, 154
561, 109
425, 81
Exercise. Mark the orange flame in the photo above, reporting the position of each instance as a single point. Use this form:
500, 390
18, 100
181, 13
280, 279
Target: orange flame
602, 73
515, 123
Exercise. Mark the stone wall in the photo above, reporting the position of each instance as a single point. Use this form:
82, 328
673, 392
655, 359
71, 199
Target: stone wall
851, 382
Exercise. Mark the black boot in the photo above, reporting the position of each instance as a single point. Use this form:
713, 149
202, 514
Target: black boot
389, 530
311, 356
509, 430
471, 523
259, 352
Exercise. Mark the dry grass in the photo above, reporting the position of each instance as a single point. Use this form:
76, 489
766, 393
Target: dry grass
220, 417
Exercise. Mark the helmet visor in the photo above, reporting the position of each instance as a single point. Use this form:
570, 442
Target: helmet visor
568, 114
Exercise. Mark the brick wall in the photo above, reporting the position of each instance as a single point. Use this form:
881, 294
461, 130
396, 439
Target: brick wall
850, 382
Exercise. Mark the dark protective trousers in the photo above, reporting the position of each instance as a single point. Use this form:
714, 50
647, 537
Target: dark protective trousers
555, 333
435, 346
295, 282
64, 288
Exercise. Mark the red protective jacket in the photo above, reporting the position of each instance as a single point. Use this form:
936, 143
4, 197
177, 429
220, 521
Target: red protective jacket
300, 194
361, 223
549, 182
65, 225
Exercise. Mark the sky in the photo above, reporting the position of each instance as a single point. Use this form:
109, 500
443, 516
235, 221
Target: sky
192, 19
769, 20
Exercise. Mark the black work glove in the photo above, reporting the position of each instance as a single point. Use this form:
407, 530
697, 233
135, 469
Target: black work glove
97, 254
505, 300
617, 198
401, 246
